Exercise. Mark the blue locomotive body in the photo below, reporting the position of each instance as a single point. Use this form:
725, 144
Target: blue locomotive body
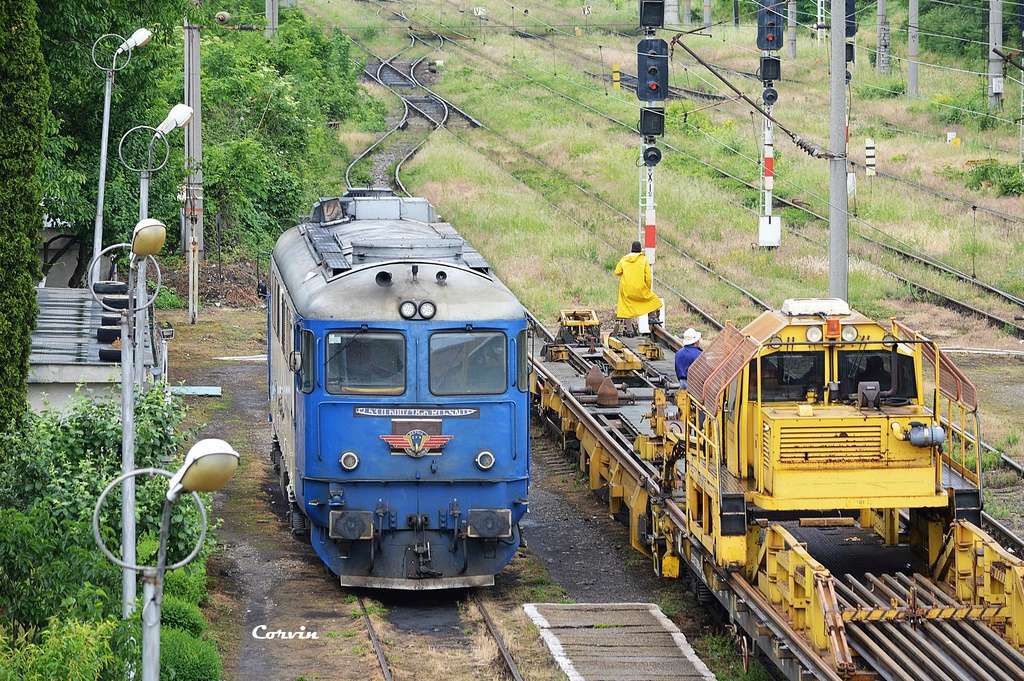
398, 388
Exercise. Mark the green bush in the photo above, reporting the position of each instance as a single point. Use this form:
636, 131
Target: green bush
1005, 179
966, 107
68, 650
187, 583
184, 657
168, 299
177, 613
880, 88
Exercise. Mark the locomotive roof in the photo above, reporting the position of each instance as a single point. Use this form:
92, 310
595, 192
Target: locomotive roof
330, 263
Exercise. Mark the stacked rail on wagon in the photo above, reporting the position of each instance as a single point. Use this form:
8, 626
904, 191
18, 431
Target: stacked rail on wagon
819, 476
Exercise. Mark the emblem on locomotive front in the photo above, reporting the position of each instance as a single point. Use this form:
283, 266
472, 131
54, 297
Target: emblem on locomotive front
416, 442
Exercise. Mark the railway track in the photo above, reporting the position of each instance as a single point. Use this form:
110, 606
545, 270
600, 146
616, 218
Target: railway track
1006, 537
506, 661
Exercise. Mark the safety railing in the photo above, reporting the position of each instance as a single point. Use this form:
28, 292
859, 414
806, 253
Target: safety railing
981, 572
802, 588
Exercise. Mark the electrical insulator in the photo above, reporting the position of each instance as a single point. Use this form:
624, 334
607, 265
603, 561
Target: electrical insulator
770, 25
652, 70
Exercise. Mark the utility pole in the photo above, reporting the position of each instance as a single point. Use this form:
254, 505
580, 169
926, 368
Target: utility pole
192, 210
271, 8
736, 13
791, 27
687, 12
838, 199
913, 40
882, 54
707, 13
995, 64
672, 12
819, 27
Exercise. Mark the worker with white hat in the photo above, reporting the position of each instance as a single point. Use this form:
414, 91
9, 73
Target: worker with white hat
686, 355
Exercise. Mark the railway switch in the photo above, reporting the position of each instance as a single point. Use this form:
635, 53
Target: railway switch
652, 70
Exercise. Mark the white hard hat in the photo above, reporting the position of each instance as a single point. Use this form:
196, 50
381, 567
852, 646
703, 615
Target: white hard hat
691, 336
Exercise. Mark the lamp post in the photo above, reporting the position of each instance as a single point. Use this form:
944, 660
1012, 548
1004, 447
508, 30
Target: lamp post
137, 39
208, 466
147, 239
179, 117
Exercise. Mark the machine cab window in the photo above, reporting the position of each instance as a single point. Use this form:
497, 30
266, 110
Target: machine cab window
470, 363
365, 363
788, 376
858, 366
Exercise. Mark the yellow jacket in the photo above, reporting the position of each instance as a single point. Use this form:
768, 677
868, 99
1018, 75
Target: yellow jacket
635, 295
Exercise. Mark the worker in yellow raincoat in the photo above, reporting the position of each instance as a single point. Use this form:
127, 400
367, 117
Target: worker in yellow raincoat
635, 295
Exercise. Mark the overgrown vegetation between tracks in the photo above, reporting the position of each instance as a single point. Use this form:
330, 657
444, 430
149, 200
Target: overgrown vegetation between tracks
60, 599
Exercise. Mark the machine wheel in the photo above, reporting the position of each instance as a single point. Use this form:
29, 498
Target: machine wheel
297, 521
275, 455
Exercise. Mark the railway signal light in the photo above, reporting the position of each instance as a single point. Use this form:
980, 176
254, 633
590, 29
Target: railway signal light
851, 19
770, 25
771, 69
652, 156
770, 96
652, 121
652, 70
652, 13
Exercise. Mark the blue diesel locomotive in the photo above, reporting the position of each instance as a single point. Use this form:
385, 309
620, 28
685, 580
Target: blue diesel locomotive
398, 390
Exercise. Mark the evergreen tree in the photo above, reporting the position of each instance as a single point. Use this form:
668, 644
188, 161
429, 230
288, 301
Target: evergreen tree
24, 92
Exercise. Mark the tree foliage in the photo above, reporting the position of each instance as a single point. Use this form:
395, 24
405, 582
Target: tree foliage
24, 89
266, 105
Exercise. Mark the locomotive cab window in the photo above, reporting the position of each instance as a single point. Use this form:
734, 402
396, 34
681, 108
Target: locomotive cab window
472, 363
788, 376
365, 363
857, 366
307, 373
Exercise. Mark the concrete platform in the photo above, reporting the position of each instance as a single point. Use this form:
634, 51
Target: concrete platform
616, 642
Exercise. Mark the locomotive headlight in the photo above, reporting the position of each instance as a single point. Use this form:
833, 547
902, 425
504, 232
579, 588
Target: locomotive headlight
428, 310
407, 309
349, 461
485, 460
849, 333
813, 334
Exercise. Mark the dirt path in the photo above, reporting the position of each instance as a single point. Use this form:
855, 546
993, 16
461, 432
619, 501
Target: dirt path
262, 576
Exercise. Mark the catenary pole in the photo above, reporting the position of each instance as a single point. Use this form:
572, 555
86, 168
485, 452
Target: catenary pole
913, 40
882, 53
995, 62
671, 12
687, 12
707, 13
838, 200
791, 26
193, 206
271, 8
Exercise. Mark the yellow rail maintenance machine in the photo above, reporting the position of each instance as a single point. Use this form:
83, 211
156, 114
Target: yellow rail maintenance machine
820, 476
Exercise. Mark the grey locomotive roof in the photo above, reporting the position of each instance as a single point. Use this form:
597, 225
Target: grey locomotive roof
331, 263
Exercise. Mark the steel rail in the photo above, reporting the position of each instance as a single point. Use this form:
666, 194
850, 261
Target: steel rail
492, 628
378, 647
952, 198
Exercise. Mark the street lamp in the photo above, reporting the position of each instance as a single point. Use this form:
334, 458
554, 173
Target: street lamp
140, 38
178, 117
208, 466
147, 239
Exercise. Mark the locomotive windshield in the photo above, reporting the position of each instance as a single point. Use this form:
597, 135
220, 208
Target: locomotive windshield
365, 363
856, 366
473, 363
787, 376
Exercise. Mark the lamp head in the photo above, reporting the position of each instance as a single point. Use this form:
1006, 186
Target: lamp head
140, 38
148, 237
208, 467
179, 117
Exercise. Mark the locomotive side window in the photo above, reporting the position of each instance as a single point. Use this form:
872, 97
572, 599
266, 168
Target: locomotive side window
787, 376
365, 363
856, 366
307, 374
473, 363
522, 362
